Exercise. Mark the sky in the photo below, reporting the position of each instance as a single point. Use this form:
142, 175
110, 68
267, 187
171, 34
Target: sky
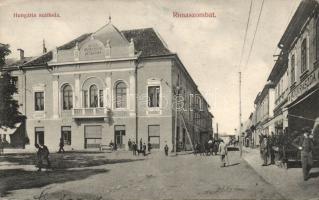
210, 48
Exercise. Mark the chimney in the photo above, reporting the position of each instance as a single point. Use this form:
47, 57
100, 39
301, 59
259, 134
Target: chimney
21, 54
44, 49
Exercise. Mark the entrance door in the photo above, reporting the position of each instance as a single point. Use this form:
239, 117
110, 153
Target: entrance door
119, 132
92, 136
154, 136
39, 135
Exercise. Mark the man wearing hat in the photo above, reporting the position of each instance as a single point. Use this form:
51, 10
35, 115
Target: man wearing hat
304, 143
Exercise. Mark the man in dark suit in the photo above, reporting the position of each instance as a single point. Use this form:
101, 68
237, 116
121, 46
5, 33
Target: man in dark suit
304, 143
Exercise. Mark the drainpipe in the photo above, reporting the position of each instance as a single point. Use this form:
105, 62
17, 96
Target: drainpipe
136, 104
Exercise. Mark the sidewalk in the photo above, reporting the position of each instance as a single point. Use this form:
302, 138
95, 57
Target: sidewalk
288, 182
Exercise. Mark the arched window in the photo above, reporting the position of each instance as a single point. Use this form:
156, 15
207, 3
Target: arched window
120, 95
93, 96
67, 98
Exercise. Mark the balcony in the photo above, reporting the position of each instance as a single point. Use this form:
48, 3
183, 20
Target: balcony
90, 112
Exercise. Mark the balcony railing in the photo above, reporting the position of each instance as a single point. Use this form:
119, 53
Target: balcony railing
90, 112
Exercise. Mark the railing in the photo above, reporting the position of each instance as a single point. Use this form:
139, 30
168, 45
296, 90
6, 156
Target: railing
89, 112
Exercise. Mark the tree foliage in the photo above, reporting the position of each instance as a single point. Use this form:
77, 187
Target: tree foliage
9, 113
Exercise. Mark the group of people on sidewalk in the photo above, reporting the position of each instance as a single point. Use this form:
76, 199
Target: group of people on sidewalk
303, 141
143, 148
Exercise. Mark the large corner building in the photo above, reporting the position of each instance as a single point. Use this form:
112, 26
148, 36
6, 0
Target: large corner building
106, 86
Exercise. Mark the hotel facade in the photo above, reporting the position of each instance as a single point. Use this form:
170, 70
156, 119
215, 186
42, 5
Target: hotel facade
106, 86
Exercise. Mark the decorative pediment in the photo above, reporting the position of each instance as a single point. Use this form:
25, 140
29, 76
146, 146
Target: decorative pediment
92, 50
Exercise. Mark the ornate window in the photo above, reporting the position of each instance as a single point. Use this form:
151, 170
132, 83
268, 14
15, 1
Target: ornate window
304, 56
93, 96
120, 95
292, 69
67, 97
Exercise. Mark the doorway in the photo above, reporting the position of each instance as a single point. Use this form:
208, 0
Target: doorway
119, 133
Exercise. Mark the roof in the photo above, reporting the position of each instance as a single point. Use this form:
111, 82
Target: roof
295, 25
146, 41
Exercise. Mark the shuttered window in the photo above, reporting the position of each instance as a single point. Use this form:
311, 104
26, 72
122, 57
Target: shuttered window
154, 130
93, 132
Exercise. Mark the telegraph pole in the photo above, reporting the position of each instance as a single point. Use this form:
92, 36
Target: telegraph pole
239, 130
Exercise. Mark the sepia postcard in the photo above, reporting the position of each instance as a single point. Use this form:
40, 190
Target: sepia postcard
159, 99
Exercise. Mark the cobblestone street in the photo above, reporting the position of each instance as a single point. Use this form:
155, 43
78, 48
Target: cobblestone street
159, 177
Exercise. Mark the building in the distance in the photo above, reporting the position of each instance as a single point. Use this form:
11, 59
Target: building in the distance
110, 85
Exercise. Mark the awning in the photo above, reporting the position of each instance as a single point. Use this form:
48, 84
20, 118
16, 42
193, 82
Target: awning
9, 131
302, 99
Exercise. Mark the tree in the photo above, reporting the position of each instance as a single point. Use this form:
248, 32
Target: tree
9, 113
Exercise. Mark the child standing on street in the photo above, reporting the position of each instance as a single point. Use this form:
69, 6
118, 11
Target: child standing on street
223, 153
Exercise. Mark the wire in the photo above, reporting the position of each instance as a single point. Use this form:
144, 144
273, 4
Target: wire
253, 41
245, 38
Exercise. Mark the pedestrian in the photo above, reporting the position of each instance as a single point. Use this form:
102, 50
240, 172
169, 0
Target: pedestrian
61, 149
42, 155
129, 144
149, 147
141, 144
166, 150
264, 150
210, 146
134, 148
144, 149
305, 144
111, 145
223, 153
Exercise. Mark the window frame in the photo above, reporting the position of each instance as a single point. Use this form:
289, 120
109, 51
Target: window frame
121, 104
293, 69
35, 101
67, 105
304, 55
95, 101
67, 141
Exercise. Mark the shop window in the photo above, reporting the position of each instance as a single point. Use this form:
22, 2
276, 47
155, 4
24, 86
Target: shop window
304, 56
39, 101
93, 96
153, 96
66, 134
120, 95
67, 97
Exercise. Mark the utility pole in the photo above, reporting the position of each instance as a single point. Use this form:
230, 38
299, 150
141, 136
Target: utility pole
216, 130
239, 130
176, 118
